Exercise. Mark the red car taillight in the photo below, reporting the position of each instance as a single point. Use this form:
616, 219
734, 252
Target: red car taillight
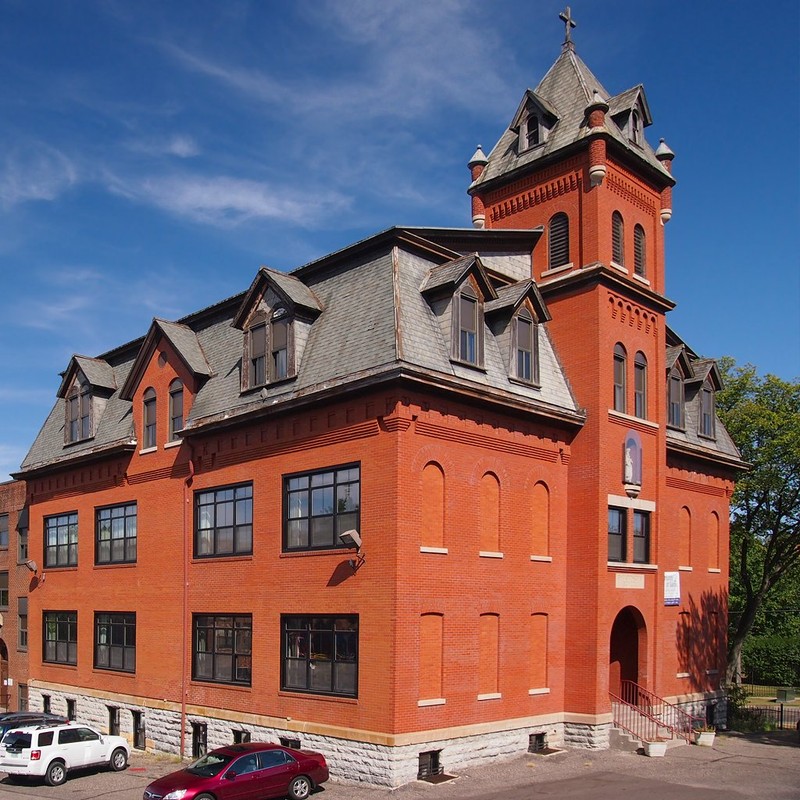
36, 755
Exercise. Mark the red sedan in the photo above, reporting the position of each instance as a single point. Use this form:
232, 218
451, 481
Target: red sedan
250, 771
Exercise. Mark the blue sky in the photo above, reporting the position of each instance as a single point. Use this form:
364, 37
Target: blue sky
154, 154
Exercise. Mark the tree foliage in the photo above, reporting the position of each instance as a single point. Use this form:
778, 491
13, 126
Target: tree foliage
762, 414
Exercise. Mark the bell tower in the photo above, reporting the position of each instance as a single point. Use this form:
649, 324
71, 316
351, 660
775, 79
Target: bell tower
575, 162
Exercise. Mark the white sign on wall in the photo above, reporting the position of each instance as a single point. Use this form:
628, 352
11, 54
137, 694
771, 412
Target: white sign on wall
672, 588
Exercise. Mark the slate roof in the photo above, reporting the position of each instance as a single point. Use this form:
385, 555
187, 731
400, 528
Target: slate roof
375, 324
567, 89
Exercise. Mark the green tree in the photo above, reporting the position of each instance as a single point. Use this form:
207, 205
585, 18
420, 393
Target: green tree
762, 414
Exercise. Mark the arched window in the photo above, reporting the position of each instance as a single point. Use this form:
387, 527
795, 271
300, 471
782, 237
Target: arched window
640, 385
257, 362
467, 326
713, 541
279, 345
538, 657
636, 127
175, 409
532, 131
430, 656
617, 239
620, 384
79, 410
540, 520
149, 418
490, 514
685, 537
558, 240
432, 511
639, 252
488, 655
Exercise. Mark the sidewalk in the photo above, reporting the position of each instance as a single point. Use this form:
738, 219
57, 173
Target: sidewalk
738, 767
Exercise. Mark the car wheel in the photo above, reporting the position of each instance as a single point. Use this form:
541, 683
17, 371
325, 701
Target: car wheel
300, 788
204, 797
119, 759
56, 773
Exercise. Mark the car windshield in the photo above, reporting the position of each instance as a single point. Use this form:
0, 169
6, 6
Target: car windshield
209, 765
17, 740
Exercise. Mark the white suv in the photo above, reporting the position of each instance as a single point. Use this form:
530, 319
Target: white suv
50, 751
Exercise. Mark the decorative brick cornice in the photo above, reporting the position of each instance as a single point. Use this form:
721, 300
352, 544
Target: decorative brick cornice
628, 191
693, 486
629, 313
535, 195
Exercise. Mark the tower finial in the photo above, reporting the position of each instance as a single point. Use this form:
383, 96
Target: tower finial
569, 23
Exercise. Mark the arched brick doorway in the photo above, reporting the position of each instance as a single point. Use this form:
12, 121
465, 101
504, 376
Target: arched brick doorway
628, 649
3, 675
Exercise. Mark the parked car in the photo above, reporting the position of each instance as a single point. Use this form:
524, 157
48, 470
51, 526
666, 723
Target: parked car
20, 719
248, 771
51, 751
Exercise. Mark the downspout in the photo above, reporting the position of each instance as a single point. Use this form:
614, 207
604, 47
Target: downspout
186, 542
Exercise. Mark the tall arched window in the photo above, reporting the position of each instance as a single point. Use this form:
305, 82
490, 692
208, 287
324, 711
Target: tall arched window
639, 252
279, 345
540, 520
488, 655
79, 410
707, 410
685, 540
636, 127
175, 409
620, 384
432, 534
538, 658
675, 399
490, 514
617, 239
257, 362
430, 656
532, 130
149, 418
526, 348
558, 240
640, 385
713, 541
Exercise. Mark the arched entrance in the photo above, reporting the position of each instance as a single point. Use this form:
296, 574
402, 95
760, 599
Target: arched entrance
628, 649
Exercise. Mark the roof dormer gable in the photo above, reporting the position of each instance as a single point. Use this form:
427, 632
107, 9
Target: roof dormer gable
86, 386
182, 339
512, 297
631, 113
448, 278
706, 370
533, 121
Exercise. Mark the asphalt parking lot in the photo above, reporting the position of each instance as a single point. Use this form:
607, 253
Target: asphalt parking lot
751, 767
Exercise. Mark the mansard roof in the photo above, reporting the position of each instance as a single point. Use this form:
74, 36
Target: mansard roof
372, 324
97, 372
511, 297
568, 88
183, 340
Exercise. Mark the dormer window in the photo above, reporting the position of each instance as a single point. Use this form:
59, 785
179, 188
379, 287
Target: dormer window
79, 411
532, 133
257, 335
675, 399
149, 419
279, 345
707, 410
636, 127
526, 348
468, 326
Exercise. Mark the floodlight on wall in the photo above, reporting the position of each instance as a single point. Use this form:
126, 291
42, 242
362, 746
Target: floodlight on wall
32, 566
352, 538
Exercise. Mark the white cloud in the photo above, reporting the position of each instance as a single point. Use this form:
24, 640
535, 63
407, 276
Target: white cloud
179, 145
34, 171
226, 202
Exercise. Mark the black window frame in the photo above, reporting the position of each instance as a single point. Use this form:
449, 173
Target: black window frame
558, 241
620, 379
312, 484
617, 534
119, 628
241, 499
64, 627
309, 642
706, 421
70, 547
176, 396
618, 239
120, 511
238, 648
640, 385
78, 411
639, 251
22, 624
641, 536
4, 595
676, 400
520, 352
149, 419
533, 133
4, 532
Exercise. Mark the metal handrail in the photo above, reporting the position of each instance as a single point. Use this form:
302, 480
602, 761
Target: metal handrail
678, 721
636, 722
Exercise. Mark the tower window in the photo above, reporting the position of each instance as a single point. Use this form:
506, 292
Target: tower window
620, 365
558, 240
175, 409
639, 252
149, 419
617, 239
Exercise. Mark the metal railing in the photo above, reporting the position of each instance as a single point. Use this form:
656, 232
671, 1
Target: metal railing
636, 722
669, 718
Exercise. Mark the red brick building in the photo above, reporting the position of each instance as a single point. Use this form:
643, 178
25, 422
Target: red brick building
15, 578
428, 499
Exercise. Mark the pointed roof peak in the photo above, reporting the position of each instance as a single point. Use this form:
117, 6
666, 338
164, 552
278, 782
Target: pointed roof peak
566, 17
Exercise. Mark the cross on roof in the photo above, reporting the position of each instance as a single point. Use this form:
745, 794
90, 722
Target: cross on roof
566, 17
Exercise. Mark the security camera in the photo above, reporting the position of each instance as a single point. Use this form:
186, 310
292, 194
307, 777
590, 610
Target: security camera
351, 538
